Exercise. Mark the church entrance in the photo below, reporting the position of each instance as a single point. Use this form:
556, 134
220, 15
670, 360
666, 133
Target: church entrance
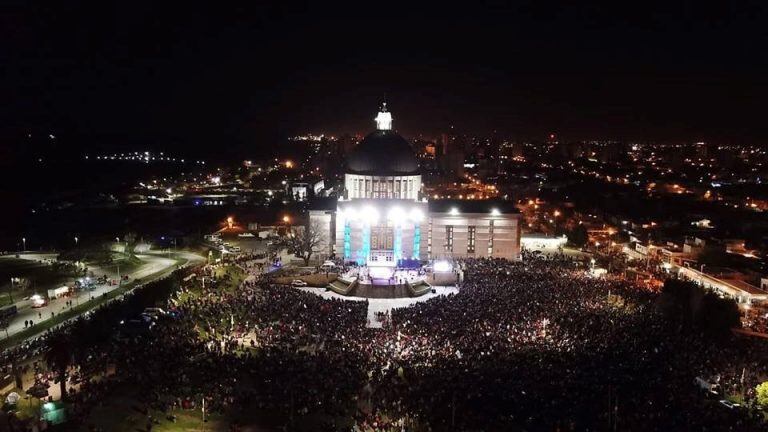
382, 246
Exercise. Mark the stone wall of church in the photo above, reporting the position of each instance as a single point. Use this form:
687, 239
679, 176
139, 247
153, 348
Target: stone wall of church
474, 235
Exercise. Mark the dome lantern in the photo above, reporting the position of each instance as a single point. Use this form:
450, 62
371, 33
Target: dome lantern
384, 118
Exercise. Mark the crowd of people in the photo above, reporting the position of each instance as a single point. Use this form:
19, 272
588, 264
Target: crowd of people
756, 319
535, 345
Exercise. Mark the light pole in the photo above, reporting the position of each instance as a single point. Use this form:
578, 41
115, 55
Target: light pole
24, 242
76, 239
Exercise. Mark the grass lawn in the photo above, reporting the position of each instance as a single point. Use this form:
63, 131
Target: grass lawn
127, 264
27, 408
236, 274
12, 266
123, 414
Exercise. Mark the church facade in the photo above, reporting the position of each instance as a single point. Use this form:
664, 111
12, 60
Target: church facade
383, 218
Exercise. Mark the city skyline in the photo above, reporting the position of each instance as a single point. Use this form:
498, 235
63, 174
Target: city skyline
240, 80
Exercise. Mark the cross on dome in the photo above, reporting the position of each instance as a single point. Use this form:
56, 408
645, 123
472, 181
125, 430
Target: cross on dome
384, 118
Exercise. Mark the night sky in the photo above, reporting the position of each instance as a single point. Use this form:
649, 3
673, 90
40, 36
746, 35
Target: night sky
232, 81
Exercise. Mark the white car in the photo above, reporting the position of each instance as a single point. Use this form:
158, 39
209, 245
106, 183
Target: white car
729, 404
298, 283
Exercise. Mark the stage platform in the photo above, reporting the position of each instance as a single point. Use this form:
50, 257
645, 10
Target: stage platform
381, 283
380, 291
388, 283
354, 288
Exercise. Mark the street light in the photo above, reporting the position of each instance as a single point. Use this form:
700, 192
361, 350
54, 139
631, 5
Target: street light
76, 239
24, 242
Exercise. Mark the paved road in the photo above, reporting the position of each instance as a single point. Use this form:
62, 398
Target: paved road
154, 264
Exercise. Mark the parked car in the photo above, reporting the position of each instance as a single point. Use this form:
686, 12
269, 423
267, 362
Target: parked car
729, 404
298, 283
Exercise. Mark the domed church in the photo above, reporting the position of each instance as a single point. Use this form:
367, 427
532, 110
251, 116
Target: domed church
382, 218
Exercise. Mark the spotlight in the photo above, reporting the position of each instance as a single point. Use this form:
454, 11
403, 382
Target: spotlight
396, 215
442, 267
416, 215
352, 214
370, 215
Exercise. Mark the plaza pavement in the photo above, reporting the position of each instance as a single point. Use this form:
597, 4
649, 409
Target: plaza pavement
383, 305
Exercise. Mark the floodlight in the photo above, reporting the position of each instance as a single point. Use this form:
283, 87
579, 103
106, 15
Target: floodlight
416, 215
396, 215
370, 215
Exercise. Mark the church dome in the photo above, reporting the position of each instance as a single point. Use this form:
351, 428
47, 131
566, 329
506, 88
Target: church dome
383, 152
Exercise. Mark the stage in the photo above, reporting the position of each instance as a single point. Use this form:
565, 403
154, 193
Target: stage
383, 282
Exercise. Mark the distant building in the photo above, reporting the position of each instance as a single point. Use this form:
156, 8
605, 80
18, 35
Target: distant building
726, 284
451, 155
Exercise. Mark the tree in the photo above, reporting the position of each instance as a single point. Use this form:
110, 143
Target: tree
717, 316
578, 236
762, 394
58, 357
694, 308
131, 241
4, 324
305, 243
